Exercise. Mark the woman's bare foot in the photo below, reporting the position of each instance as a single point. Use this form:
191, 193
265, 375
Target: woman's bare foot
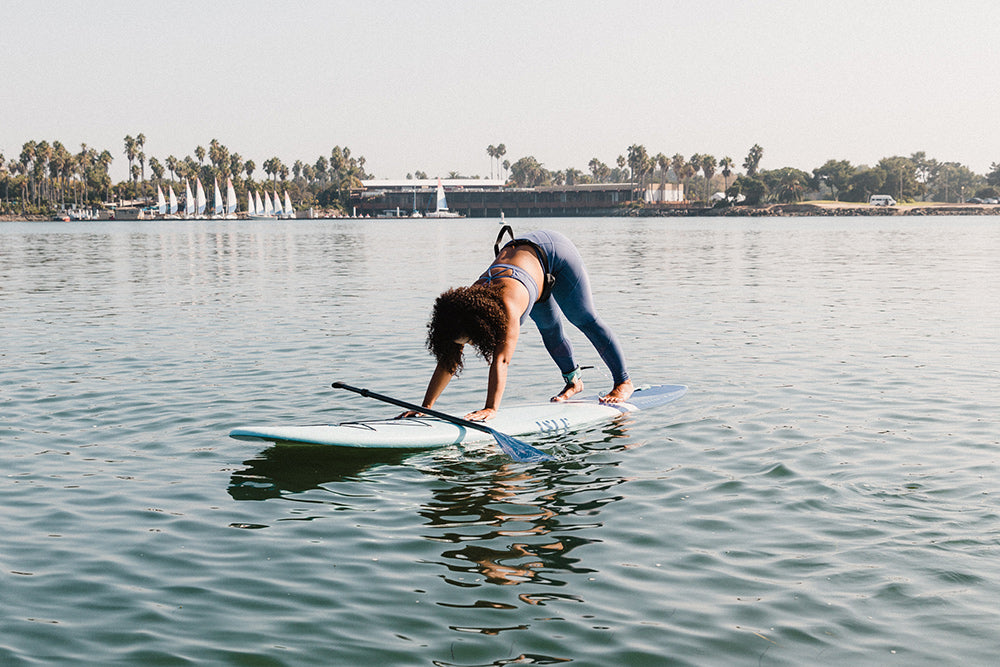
572, 388
620, 393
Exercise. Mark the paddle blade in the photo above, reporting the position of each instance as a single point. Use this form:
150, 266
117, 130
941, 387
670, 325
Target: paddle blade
517, 450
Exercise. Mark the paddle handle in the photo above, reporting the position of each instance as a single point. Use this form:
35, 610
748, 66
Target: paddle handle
416, 408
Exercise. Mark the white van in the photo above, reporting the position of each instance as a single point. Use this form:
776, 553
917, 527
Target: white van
881, 200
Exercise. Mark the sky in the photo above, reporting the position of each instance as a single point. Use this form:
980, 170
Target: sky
429, 85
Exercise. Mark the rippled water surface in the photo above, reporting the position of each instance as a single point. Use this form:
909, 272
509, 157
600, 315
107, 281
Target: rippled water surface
825, 494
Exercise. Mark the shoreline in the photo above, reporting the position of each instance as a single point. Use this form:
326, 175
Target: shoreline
800, 209
833, 208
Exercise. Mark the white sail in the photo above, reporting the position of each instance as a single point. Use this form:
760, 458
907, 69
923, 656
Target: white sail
289, 211
188, 200
230, 197
217, 208
173, 201
259, 203
442, 203
277, 205
200, 207
161, 203
251, 207
441, 209
268, 206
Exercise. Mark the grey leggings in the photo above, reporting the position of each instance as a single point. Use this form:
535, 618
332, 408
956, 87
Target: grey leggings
571, 295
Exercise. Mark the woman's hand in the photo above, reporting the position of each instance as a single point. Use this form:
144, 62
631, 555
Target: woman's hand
483, 415
410, 413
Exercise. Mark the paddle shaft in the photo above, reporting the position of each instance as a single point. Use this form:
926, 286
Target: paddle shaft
416, 408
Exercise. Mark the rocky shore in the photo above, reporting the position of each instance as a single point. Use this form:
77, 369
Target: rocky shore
845, 209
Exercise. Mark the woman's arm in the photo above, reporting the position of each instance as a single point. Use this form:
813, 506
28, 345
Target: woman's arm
439, 380
498, 374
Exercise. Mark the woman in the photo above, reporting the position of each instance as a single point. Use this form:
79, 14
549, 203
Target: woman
489, 315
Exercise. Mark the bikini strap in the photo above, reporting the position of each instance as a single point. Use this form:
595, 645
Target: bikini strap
549, 280
506, 229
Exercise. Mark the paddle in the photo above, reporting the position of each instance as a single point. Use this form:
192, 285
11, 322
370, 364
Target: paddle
514, 448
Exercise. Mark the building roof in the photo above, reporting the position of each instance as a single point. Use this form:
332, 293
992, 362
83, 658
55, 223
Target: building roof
448, 183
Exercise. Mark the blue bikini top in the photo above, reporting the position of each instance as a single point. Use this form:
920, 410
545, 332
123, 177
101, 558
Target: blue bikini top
497, 271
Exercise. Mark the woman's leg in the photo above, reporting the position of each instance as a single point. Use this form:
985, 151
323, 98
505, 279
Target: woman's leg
572, 293
546, 318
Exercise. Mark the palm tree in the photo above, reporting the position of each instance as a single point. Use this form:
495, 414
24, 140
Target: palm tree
678, 163
57, 158
142, 170
753, 160
131, 149
663, 162
43, 153
501, 151
156, 168
491, 150
708, 168
236, 165
140, 143
171, 166
84, 159
692, 168
199, 153
595, 167
105, 160
322, 169
637, 159
727, 170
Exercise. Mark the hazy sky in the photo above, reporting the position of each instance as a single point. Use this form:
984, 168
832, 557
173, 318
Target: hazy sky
429, 85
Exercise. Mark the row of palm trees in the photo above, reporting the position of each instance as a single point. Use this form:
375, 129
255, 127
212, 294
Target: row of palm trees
496, 153
49, 176
49, 173
636, 166
340, 167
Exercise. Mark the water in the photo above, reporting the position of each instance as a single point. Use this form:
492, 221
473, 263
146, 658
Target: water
826, 492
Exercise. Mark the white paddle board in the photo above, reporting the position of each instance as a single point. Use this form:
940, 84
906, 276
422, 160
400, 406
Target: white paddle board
429, 432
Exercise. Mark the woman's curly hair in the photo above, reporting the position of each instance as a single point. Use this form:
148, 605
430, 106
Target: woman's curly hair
477, 313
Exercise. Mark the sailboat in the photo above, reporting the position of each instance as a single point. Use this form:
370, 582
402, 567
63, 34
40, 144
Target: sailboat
289, 211
441, 209
161, 203
172, 210
188, 201
277, 206
259, 204
217, 208
230, 200
200, 205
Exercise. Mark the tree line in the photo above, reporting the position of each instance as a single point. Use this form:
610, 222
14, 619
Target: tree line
913, 178
47, 176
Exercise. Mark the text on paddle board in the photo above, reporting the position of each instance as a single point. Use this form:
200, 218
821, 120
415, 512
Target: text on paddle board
547, 425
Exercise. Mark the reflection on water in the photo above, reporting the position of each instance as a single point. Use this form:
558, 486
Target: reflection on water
289, 468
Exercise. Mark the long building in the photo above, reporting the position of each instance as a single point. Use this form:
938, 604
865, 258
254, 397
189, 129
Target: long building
487, 198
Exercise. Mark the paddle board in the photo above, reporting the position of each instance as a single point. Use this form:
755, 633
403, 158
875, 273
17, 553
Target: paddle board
429, 432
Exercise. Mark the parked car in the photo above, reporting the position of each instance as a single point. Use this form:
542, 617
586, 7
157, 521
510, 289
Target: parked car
881, 200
